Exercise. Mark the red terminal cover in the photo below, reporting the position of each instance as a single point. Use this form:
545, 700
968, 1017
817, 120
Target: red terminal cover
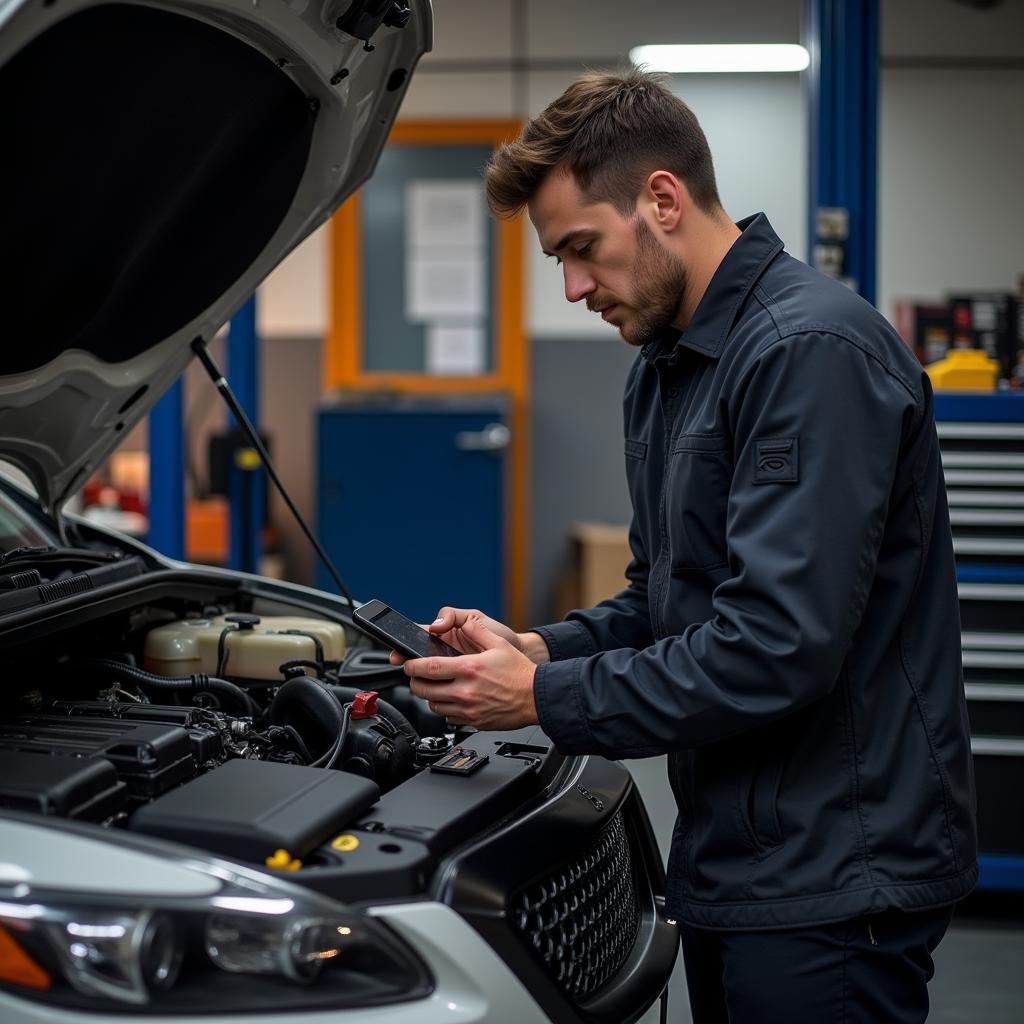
364, 704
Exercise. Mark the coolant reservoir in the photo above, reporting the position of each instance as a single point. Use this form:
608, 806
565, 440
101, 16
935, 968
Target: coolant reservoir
256, 646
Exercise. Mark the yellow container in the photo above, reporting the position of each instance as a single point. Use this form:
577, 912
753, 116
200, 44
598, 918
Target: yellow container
181, 648
964, 369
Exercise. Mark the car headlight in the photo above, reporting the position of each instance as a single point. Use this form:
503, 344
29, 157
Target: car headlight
251, 942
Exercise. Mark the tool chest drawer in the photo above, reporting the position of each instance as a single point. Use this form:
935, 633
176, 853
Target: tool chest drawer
984, 468
987, 608
992, 640
992, 637
996, 710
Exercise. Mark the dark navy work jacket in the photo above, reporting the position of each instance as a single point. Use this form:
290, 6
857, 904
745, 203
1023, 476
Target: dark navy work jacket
790, 635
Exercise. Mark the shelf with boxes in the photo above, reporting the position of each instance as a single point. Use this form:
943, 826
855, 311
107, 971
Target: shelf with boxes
982, 441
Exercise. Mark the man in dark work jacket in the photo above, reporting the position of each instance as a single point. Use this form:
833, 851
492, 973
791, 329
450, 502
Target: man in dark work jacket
790, 632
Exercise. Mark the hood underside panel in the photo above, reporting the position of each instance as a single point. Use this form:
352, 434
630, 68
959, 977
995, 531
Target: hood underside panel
164, 123
160, 159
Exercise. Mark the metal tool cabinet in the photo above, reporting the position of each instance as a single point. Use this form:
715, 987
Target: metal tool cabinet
982, 442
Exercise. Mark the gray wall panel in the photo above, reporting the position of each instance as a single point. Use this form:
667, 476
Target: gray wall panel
577, 467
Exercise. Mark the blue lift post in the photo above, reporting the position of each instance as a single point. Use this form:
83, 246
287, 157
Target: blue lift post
167, 474
247, 487
842, 81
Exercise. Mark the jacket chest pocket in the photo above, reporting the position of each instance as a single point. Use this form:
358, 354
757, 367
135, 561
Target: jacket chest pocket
698, 480
641, 463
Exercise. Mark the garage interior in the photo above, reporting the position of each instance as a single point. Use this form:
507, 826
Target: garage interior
927, 179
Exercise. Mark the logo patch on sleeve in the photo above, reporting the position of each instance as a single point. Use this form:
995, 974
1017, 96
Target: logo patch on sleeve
778, 460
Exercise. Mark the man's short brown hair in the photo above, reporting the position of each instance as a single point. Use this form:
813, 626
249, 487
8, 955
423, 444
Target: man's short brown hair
610, 131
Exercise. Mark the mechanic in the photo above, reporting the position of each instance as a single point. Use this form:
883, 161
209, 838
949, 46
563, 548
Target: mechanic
790, 631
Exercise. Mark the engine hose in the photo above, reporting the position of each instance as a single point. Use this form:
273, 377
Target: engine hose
304, 700
222, 648
296, 738
385, 710
377, 678
198, 681
334, 754
368, 667
318, 647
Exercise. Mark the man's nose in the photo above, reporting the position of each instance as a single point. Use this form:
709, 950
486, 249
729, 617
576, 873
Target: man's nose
578, 283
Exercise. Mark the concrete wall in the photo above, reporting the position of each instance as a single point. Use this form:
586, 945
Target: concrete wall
951, 202
755, 123
951, 149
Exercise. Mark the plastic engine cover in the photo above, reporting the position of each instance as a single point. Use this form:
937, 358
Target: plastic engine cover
252, 809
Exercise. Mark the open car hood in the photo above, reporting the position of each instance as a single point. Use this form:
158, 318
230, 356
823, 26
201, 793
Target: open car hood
160, 159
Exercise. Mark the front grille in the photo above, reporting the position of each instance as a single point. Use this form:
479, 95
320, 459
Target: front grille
582, 919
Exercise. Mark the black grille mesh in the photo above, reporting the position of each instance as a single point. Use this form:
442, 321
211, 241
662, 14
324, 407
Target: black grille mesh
582, 919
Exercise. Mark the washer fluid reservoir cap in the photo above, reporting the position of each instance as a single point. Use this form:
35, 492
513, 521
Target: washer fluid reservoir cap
243, 621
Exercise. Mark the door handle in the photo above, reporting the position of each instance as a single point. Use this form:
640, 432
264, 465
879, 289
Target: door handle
495, 437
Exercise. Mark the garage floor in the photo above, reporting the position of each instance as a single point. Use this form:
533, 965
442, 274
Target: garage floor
979, 970
979, 967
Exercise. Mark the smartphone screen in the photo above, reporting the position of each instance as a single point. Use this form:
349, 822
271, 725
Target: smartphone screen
401, 633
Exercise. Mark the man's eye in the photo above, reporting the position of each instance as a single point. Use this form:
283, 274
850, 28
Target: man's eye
584, 249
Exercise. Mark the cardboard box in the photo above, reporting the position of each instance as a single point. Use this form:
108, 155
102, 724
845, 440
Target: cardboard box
599, 554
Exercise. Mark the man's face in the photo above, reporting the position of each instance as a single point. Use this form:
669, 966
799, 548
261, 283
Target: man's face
616, 264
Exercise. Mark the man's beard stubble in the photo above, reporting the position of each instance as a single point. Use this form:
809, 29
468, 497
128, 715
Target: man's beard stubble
660, 281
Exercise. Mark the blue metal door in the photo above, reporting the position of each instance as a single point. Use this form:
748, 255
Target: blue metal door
411, 502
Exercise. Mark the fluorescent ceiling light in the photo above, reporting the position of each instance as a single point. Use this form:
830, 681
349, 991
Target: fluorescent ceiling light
722, 57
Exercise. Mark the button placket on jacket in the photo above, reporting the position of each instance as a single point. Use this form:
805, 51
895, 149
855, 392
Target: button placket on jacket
669, 374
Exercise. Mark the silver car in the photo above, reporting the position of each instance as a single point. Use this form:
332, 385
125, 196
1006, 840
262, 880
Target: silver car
218, 801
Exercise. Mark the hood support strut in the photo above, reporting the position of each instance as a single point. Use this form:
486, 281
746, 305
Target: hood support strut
221, 384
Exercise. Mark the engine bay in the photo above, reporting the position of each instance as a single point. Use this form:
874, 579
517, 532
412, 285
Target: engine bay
195, 716
279, 738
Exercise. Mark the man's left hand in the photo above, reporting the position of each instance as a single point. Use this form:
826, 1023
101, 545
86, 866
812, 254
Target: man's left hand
490, 688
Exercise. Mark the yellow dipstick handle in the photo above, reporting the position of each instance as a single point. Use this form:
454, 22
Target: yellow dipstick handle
282, 860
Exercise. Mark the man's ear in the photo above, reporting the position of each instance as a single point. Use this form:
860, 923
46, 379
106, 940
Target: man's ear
668, 198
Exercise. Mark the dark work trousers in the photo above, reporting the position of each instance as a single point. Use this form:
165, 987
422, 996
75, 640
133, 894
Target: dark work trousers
871, 970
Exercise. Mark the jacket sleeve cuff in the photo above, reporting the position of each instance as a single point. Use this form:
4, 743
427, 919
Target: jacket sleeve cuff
556, 694
567, 640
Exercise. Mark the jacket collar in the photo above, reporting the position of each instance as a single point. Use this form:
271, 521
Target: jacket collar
732, 282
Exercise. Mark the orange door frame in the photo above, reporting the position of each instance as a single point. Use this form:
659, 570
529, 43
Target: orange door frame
343, 354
